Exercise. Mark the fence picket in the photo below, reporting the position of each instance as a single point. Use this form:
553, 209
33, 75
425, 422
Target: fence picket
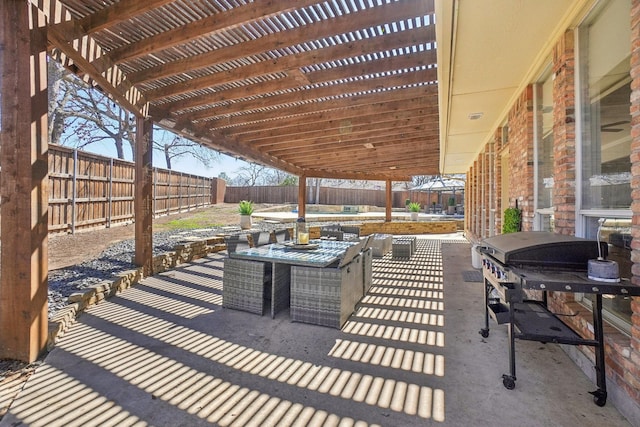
89, 190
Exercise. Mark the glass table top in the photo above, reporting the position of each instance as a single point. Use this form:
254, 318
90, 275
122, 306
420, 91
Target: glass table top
325, 253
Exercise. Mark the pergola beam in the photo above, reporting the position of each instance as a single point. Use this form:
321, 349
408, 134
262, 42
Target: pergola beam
143, 202
297, 79
328, 54
328, 155
354, 136
368, 102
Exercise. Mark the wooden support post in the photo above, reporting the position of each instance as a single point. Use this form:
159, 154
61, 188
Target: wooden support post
23, 183
143, 203
302, 196
389, 201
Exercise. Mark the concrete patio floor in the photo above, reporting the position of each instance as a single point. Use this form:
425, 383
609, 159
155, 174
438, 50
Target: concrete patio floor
165, 353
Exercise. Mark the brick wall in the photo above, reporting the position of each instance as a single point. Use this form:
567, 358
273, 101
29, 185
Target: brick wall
470, 209
521, 157
486, 186
497, 145
564, 135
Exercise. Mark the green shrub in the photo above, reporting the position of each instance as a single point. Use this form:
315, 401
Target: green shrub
452, 201
407, 201
512, 220
245, 207
414, 207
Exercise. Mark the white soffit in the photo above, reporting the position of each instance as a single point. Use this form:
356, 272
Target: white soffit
491, 47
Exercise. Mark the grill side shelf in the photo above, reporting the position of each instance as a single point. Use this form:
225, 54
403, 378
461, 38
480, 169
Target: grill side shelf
534, 322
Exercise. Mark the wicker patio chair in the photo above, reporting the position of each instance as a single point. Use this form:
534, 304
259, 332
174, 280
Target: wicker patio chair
245, 285
280, 236
327, 296
337, 234
351, 229
259, 238
235, 242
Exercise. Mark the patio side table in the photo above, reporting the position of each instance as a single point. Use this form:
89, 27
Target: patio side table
401, 248
381, 244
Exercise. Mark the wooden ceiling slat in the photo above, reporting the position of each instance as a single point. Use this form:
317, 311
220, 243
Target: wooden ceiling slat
127, 99
232, 18
362, 132
318, 95
333, 145
363, 103
398, 109
369, 175
411, 142
386, 42
105, 18
379, 122
384, 65
381, 162
376, 16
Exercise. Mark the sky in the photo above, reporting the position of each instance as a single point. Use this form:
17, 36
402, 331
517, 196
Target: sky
186, 164
226, 164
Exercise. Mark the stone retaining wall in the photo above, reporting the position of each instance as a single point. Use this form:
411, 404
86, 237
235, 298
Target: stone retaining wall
78, 302
401, 227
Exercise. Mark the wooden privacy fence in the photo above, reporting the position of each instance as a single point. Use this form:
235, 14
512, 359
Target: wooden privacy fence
331, 196
88, 190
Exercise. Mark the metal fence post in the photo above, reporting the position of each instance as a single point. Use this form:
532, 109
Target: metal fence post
109, 211
155, 191
74, 191
180, 194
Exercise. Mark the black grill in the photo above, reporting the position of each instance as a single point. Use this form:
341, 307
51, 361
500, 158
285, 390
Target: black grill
540, 249
514, 264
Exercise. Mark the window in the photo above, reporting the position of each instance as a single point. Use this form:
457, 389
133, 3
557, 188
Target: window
543, 104
605, 140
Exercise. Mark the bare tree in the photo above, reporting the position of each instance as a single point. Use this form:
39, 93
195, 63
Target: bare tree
272, 176
250, 175
317, 183
58, 98
80, 116
175, 146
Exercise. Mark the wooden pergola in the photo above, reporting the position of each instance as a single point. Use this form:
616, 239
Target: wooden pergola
317, 88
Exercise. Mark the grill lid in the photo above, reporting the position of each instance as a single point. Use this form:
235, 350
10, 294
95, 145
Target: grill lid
542, 249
